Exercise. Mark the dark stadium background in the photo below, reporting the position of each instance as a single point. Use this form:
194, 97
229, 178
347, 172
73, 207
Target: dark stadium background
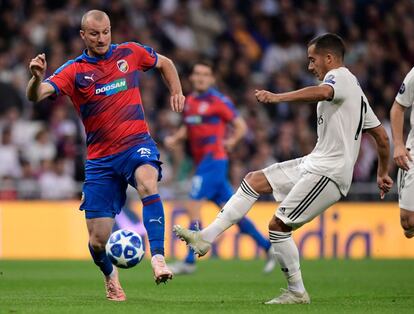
254, 44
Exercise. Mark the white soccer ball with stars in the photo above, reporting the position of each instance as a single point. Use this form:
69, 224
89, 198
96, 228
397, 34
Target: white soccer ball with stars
125, 248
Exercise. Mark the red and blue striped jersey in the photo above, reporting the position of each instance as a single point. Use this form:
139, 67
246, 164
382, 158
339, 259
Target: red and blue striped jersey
105, 93
206, 117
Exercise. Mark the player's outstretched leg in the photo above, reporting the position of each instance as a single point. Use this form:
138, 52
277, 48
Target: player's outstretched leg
193, 239
234, 210
287, 255
153, 215
187, 266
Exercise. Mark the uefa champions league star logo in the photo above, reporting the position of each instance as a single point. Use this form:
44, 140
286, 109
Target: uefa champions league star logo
122, 66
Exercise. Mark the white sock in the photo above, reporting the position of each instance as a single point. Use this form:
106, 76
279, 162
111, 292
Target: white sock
234, 210
287, 254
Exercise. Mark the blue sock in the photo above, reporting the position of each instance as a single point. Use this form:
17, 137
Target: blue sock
153, 214
246, 226
102, 261
190, 259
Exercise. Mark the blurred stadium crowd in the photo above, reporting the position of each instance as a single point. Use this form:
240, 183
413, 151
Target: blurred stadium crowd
253, 43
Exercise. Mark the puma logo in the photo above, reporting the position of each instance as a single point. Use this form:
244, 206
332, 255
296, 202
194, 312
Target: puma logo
90, 77
156, 220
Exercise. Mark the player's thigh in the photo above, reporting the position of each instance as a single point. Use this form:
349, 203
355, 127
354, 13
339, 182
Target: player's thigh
310, 196
282, 177
146, 178
405, 183
141, 168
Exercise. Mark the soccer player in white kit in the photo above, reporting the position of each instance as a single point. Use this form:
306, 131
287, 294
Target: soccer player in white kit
402, 154
309, 185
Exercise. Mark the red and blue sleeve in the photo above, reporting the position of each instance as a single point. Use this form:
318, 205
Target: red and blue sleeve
63, 80
146, 56
228, 111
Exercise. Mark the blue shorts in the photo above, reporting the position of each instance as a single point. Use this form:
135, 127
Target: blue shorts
211, 181
107, 178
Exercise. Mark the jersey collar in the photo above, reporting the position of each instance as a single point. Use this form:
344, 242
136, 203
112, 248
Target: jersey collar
107, 55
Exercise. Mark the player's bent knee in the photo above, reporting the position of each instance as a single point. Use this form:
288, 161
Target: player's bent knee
147, 188
97, 242
97, 246
258, 182
407, 223
276, 224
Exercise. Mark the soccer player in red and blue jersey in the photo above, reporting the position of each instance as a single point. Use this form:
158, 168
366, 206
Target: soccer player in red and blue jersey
207, 115
103, 84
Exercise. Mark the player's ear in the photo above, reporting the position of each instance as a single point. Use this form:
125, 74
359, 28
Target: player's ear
328, 58
82, 34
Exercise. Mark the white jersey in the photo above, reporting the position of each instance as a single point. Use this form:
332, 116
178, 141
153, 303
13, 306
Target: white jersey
405, 97
340, 124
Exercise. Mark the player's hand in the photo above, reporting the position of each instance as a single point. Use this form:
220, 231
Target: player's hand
38, 66
401, 157
177, 102
265, 96
384, 184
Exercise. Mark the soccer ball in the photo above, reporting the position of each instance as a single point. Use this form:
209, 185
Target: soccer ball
125, 248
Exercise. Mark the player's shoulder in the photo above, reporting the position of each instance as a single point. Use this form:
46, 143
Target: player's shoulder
338, 73
136, 46
68, 65
410, 76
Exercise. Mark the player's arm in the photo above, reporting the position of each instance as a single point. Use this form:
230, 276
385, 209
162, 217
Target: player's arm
383, 149
239, 131
36, 89
170, 76
172, 140
401, 153
307, 94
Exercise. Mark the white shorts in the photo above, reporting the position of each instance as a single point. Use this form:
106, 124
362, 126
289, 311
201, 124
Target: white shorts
405, 184
303, 195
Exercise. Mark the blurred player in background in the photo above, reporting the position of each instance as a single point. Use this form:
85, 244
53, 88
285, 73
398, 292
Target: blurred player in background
104, 88
307, 186
207, 115
402, 153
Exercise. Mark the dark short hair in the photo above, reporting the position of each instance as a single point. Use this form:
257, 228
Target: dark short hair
204, 62
329, 42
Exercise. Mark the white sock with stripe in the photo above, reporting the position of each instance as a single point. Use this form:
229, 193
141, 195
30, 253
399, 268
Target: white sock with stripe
234, 210
287, 255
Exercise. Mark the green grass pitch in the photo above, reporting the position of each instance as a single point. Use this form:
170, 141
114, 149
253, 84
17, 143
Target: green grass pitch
335, 286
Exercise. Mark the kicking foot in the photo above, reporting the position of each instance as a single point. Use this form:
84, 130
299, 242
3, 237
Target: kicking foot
290, 297
193, 240
182, 268
114, 291
161, 271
